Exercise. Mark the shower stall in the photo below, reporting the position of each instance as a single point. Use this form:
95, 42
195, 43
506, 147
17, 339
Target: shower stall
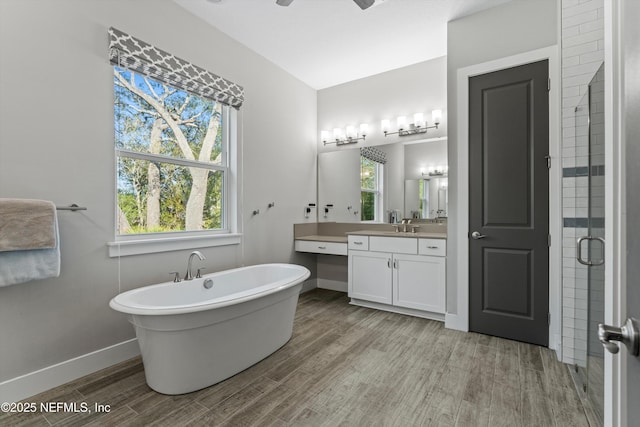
590, 232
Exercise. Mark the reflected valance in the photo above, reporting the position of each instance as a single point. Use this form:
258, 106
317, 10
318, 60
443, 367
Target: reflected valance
374, 154
136, 55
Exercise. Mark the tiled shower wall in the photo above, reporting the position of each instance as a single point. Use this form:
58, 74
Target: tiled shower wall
582, 55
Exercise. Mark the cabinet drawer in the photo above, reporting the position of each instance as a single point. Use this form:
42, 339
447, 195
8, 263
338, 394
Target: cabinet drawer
398, 245
359, 243
318, 247
434, 247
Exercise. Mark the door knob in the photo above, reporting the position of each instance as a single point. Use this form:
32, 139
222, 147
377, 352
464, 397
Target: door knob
476, 236
627, 334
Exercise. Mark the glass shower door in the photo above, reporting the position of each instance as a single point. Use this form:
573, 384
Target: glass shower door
590, 247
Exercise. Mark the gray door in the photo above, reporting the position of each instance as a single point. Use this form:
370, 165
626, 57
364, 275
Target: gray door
631, 117
509, 203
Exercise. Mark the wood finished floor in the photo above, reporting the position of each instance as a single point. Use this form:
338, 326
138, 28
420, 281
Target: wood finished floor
345, 366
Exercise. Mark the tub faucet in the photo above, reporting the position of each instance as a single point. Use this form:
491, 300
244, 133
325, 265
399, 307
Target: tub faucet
189, 275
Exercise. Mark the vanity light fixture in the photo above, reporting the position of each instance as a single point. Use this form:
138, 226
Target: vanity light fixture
351, 136
436, 171
419, 125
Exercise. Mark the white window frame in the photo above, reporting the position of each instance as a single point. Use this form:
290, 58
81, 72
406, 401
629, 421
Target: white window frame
377, 192
137, 244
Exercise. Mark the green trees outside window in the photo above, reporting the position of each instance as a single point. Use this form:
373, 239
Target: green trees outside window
369, 189
171, 157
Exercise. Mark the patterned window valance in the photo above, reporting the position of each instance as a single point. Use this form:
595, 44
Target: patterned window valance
129, 52
374, 154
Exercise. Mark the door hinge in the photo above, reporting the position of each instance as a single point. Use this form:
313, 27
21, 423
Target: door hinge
549, 240
549, 85
548, 318
548, 157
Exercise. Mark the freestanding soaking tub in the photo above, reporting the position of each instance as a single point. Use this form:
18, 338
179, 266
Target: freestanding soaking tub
195, 333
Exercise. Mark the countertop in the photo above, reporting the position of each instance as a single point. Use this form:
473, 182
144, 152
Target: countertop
425, 235
343, 239
319, 238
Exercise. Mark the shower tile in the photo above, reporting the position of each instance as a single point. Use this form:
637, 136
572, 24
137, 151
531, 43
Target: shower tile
568, 320
581, 314
568, 162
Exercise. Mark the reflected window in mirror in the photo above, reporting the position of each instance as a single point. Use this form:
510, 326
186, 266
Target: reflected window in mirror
433, 198
423, 197
370, 189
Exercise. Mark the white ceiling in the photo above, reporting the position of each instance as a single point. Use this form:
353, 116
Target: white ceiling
328, 42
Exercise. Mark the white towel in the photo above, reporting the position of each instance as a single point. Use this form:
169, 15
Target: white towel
24, 266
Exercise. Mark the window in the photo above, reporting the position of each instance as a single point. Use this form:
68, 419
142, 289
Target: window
370, 190
175, 131
172, 157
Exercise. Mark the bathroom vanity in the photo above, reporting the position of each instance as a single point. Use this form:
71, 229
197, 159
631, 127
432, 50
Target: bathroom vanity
399, 272
380, 268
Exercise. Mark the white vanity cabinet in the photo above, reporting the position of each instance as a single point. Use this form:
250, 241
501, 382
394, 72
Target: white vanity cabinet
419, 282
370, 276
398, 274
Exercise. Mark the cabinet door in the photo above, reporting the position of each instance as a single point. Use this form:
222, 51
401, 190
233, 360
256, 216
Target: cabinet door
419, 282
370, 276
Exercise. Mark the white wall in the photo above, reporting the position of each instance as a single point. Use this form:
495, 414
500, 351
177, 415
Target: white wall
516, 27
339, 185
56, 143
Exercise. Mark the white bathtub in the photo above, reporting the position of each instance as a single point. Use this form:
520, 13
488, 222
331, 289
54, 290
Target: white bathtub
191, 337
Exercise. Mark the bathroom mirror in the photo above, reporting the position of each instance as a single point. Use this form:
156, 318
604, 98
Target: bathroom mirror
426, 198
404, 175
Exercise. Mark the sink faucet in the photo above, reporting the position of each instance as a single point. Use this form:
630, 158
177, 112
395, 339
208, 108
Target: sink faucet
189, 275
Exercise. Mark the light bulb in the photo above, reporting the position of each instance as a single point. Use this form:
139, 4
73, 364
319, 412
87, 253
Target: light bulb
402, 122
436, 116
385, 125
418, 119
364, 129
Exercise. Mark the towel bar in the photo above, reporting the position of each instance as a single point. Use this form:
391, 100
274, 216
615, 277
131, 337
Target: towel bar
72, 207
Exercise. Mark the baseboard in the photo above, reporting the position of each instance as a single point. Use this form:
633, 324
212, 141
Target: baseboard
308, 285
555, 343
30, 384
451, 322
334, 285
396, 309
555, 340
